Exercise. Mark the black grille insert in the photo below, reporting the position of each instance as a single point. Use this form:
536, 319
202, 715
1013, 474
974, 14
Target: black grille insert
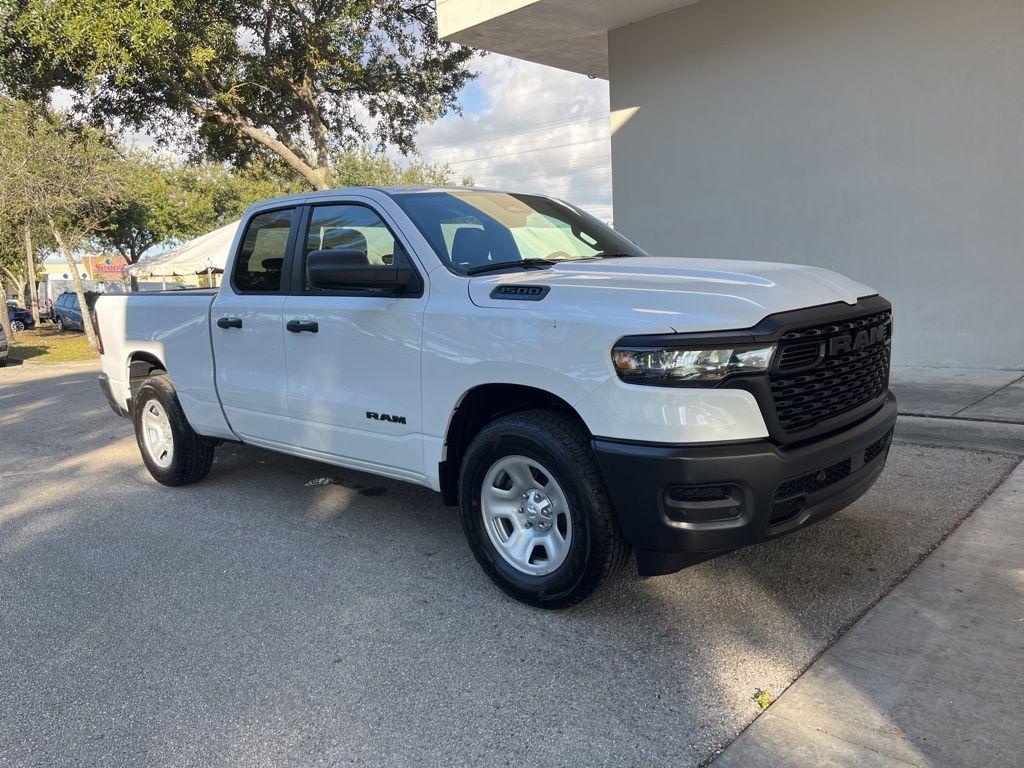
812, 482
823, 372
873, 451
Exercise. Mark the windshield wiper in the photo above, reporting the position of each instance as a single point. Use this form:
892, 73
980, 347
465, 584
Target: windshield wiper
525, 263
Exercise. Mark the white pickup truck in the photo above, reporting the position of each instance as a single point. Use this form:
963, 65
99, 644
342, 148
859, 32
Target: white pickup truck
578, 399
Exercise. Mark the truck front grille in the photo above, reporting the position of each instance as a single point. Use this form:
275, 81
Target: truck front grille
827, 370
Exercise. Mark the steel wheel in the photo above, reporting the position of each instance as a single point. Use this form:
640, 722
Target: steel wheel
156, 434
526, 515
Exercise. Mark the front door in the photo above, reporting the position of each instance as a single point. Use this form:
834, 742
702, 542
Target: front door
248, 331
354, 381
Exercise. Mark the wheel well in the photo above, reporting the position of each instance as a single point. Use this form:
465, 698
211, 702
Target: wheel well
480, 406
140, 367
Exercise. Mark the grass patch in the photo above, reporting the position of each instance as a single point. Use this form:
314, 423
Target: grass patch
46, 345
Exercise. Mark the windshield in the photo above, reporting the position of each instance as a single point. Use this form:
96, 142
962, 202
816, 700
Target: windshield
470, 230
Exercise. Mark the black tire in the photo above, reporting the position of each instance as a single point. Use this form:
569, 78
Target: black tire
597, 550
17, 326
192, 454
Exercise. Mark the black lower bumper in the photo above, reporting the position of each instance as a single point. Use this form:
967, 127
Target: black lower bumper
679, 505
116, 407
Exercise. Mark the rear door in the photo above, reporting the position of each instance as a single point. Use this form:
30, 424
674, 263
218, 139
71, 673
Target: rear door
354, 382
248, 332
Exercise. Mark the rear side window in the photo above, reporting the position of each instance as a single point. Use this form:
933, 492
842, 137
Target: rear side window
260, 263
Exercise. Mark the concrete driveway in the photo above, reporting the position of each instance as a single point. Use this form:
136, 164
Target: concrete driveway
285, 612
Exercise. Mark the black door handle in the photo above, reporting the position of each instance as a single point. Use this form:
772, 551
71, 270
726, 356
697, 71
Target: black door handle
298, 326
229, 322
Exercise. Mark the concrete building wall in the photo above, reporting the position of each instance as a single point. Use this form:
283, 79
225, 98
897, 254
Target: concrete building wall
880, 138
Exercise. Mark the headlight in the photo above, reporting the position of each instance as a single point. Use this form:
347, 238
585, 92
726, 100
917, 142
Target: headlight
668, 366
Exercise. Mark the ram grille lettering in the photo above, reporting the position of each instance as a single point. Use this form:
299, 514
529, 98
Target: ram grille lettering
840, 345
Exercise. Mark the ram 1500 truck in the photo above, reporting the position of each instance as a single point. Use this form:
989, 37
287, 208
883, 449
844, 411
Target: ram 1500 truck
579, 400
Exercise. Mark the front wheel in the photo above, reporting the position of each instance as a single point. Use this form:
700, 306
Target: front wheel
60, 325
536, 512
173, 453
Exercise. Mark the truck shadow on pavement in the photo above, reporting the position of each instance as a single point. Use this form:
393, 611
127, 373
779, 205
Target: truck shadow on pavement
286, 611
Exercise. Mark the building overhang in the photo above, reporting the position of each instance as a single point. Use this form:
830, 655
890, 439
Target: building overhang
568, 34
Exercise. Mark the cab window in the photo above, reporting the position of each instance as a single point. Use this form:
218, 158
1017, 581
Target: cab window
358, 231
260, 263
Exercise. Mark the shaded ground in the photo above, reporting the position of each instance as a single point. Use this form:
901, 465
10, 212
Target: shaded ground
44, 344
286, 612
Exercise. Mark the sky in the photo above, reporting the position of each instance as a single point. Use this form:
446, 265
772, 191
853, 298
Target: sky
529, 128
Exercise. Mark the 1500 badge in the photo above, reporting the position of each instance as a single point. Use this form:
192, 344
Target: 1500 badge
385, 417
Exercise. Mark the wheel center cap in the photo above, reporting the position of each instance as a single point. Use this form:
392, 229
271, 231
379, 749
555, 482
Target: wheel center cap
537, 508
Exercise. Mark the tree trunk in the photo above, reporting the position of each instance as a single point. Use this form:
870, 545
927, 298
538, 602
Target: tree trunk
30, 265
315, 176
5, 321
90, 332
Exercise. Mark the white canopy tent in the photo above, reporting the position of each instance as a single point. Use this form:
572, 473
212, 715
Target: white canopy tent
207, 253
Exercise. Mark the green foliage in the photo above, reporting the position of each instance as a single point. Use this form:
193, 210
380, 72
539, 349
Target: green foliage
234, 80
764, 699
362, 168
12, 255
69, 176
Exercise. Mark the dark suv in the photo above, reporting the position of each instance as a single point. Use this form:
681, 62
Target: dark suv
67, 314
21, 319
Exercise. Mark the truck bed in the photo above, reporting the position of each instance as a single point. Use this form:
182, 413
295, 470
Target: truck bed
172, 327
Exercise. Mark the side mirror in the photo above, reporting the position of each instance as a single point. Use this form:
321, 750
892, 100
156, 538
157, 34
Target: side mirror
340, 269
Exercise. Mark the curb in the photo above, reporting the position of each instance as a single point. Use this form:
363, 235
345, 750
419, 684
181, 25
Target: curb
995, 436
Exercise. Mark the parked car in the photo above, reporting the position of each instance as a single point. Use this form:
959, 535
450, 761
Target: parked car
20, 318
4, 347
577, 398
67, 314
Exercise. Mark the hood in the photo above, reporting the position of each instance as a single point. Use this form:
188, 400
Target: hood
677, 294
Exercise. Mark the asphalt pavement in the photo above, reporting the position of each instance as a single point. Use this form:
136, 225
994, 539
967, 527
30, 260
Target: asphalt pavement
284, 612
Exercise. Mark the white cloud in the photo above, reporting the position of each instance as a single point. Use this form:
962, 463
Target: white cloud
530, 128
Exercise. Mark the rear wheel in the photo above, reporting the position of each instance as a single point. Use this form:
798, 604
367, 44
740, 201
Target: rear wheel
535, 510
17, 326
173, 453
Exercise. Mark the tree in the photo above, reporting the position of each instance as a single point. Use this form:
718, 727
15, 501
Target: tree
71, 178
299, 80
363, 168
163, 202
10, 259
